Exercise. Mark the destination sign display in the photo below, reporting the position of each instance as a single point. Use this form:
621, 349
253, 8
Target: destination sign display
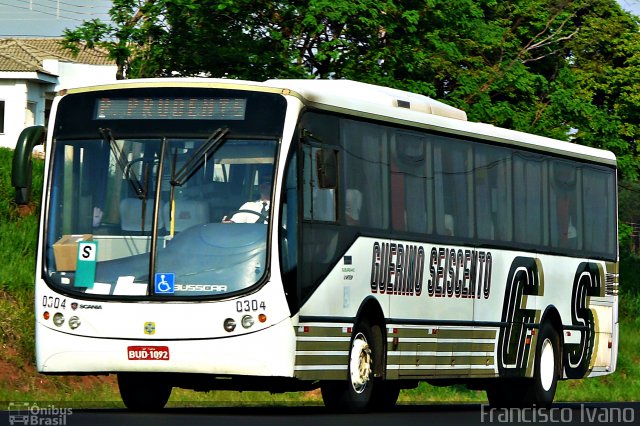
170, 108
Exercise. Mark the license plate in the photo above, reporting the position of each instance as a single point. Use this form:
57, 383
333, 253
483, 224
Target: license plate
148, 353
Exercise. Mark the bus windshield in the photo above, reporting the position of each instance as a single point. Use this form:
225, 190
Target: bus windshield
164, 215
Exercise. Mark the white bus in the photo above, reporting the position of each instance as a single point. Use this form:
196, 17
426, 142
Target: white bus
397, 243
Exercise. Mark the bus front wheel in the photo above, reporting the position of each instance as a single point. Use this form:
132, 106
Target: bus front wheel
143, 392
360, 391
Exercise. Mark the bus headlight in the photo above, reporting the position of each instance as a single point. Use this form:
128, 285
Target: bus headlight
247, 321
74, 322
229, 324
58, 319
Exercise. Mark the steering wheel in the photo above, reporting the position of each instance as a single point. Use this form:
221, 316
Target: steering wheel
265, 218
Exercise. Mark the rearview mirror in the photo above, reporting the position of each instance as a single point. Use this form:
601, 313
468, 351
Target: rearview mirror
21, 166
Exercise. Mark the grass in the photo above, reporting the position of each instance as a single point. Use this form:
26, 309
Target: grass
18, 250
20, 382
623, 385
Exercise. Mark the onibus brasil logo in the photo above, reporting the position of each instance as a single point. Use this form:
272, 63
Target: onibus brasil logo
28, 413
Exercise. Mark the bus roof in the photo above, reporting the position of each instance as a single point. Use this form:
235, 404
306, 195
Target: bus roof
361, 94
396, 105
387, 104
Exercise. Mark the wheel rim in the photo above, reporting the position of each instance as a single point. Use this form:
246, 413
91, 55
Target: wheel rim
547, 365
360, 363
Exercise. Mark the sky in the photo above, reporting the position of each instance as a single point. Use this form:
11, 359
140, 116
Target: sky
632, 6
49, 18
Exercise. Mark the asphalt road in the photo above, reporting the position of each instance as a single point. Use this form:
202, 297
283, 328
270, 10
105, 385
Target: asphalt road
433, 414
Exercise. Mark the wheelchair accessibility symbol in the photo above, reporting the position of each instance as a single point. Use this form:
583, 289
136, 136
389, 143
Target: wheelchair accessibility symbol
164, 283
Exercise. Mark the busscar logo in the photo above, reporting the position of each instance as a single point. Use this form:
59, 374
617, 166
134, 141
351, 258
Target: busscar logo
200, 287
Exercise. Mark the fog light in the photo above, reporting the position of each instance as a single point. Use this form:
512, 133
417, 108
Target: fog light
58, 319
74, 322
247, 321
229, 324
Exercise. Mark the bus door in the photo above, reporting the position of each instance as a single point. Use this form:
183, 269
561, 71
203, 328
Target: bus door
320, 231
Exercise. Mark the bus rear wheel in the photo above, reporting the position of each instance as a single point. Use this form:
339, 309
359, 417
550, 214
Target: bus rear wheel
538, 391
143, 392
361, 391
546, 369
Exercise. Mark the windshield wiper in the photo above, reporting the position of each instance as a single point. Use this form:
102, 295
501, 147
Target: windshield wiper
139, 190
211, 145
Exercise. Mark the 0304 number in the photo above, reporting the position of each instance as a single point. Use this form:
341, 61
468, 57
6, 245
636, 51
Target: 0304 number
250, 305
54, 302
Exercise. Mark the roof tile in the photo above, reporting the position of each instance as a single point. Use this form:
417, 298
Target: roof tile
27, 54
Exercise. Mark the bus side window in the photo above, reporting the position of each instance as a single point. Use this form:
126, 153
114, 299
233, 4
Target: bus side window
366, 171
530, 198
411, 183
492, 185
453, 172
565, 222
319, 197
599, 198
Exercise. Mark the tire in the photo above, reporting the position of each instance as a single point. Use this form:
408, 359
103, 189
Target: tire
538, 391
360, 392
143, 392
547, 368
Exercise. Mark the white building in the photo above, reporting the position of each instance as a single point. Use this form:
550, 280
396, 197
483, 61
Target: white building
32, 71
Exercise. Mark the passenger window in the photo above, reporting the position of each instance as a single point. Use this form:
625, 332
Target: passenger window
493, 193
599, 194
566, 223
366, 172
411, 183
453, 175
530, 199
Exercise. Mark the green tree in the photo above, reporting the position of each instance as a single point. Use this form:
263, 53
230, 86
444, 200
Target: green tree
223, 38
135, 37
604, 84
560, 68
